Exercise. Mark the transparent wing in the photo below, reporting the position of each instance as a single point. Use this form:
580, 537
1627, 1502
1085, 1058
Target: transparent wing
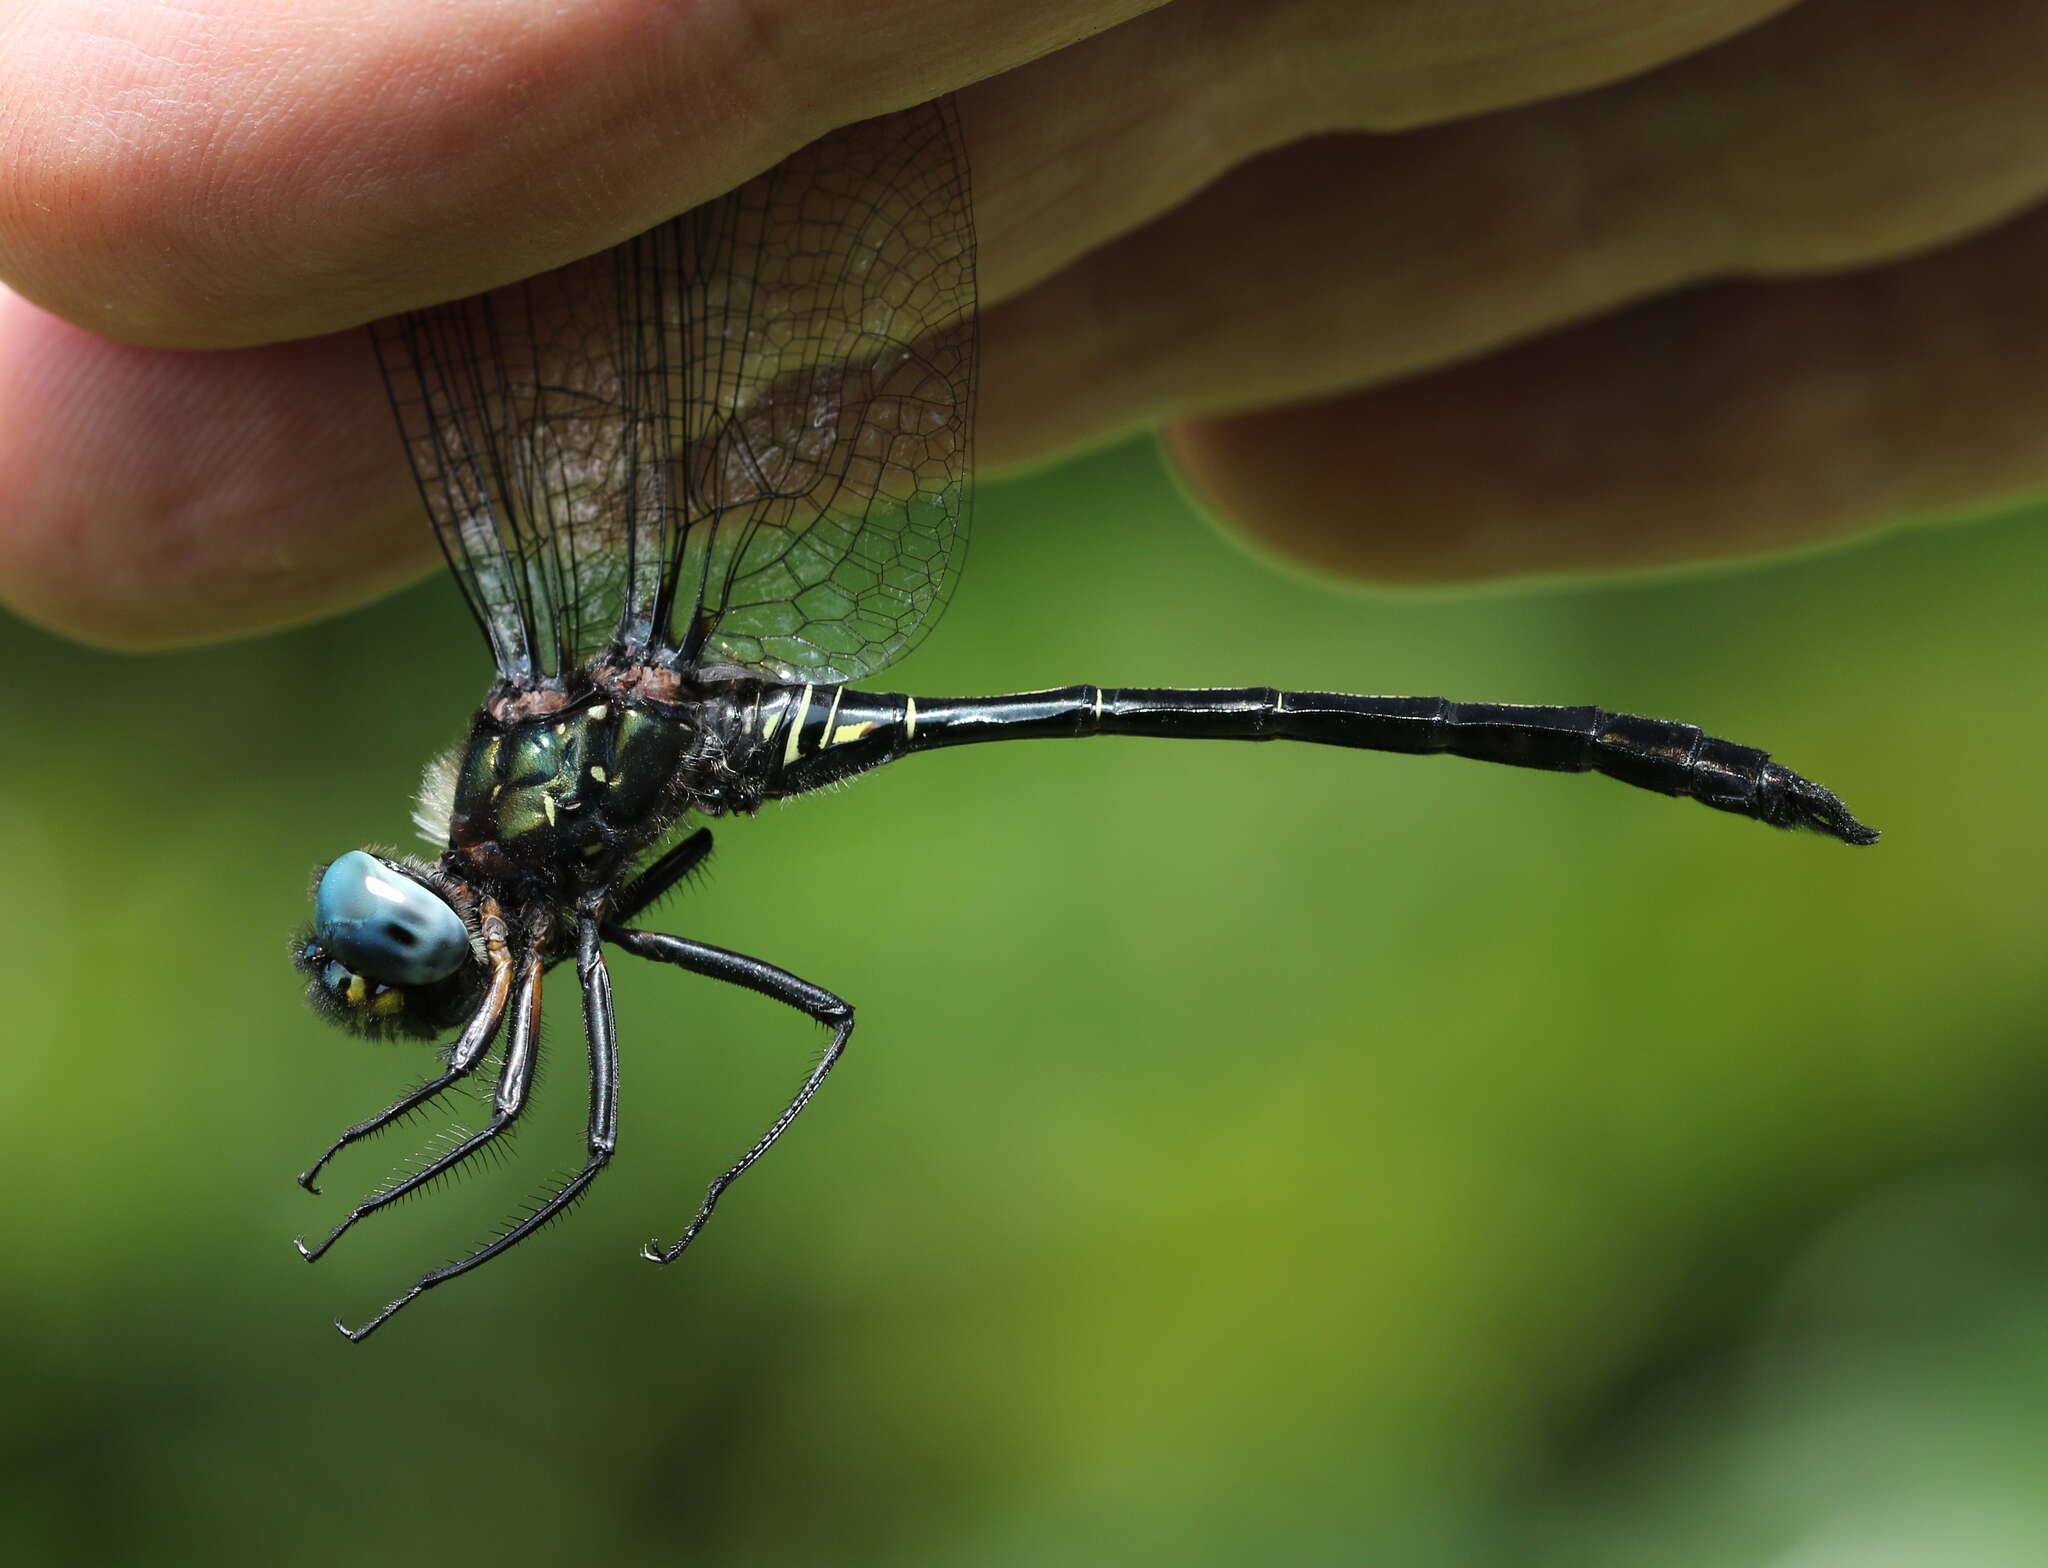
742, 438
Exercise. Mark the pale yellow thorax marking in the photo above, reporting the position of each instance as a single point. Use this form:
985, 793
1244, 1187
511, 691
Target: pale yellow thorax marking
831, 718
796, 726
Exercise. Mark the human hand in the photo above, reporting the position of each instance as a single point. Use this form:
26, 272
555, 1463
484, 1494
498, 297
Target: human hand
1556, 285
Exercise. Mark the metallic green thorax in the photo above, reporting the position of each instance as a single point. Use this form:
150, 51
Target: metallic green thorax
573, 788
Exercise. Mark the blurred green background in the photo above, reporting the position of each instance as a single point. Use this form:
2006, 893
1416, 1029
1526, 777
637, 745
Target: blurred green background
1247, 1153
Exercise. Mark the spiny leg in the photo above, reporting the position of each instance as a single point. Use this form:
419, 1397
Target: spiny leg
602, 1137
651, 884
657, 879
737, 969
463, 1056
508, 1099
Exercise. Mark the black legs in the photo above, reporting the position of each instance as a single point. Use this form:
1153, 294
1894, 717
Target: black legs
602, 1137
508, 1099
469, 1050
463, 1056
514, 990
778, 984
633, 899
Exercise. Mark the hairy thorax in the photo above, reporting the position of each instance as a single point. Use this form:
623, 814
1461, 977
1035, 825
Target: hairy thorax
556, 789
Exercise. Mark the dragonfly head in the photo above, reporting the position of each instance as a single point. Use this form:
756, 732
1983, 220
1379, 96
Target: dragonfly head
393, 948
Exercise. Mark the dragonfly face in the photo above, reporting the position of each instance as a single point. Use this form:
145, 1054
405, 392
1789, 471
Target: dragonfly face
392, 949
691, 488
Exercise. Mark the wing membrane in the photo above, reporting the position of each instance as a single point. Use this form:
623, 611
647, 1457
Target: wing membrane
742, 438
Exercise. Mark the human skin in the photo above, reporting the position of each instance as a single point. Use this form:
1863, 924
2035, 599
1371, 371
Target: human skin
1416, 290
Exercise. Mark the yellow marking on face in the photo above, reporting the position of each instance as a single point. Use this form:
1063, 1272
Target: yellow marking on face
910, 718
599, 774
547, 804
796, 725
561, 729
601, 711
847, 732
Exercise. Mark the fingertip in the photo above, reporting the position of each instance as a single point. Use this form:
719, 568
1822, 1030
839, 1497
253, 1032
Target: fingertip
1350, 492
157, 498
1726, 423
294, 171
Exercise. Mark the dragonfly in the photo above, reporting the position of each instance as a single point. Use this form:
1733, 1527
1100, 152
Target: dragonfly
692, 488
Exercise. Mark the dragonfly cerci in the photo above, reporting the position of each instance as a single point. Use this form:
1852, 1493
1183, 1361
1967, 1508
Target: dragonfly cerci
692, 487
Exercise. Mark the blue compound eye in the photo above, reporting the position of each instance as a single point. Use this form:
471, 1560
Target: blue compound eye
384, 925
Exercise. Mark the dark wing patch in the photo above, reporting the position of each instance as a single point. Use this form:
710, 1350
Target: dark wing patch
741, 438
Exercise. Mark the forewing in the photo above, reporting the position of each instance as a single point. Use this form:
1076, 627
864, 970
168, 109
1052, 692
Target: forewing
742, 438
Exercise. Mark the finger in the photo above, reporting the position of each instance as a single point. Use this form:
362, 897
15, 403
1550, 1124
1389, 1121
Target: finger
157, 497
1844, 132
243, 172
1735, 419
206, 496
1092, 142
291, 175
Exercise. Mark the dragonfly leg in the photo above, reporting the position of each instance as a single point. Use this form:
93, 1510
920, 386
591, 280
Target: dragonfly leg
655, 882
508, 1099
463, 1056
601, 1032
780, 985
